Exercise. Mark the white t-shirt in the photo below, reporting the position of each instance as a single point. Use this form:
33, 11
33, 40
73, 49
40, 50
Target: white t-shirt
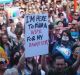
10, 34
43, 72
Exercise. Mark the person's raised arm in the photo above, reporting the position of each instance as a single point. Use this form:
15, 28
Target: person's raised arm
21, 60
43, 61
54, 4
68, 8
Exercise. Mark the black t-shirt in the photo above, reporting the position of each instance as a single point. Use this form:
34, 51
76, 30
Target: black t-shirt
66, 71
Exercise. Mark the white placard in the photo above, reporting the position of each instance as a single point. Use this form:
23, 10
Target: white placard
36, 34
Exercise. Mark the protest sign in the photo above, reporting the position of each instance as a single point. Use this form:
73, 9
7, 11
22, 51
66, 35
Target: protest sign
36, 34
66, 52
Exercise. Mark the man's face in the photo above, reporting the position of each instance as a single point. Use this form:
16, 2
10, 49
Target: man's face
57, 31
12, 24
3, 67
59, 64
74, 25
75, 16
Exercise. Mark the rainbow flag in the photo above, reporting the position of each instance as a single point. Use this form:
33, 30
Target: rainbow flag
75, 5
5, 1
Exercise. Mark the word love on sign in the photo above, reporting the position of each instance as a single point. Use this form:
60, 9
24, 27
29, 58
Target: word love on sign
36, 34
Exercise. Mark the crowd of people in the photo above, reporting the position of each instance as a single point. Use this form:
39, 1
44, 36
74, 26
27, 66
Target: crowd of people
64, 39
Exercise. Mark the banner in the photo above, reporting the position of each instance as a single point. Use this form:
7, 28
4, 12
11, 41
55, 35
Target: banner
36, 34
66, 52
5, 1
12, 12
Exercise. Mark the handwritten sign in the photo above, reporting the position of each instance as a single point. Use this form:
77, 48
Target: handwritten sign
36, 34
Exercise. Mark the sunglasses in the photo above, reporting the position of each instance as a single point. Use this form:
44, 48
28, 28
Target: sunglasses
76, 15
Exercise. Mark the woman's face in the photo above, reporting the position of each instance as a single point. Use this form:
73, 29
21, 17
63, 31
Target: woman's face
12, 25
4, 38
18, 36
17, 4
3, 29
65, 37
60, 24
64, 34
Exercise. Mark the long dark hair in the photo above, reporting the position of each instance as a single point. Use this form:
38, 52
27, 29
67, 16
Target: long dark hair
4, 25
68, 34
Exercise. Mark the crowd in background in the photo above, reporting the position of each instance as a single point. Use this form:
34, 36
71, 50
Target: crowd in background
64, 33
